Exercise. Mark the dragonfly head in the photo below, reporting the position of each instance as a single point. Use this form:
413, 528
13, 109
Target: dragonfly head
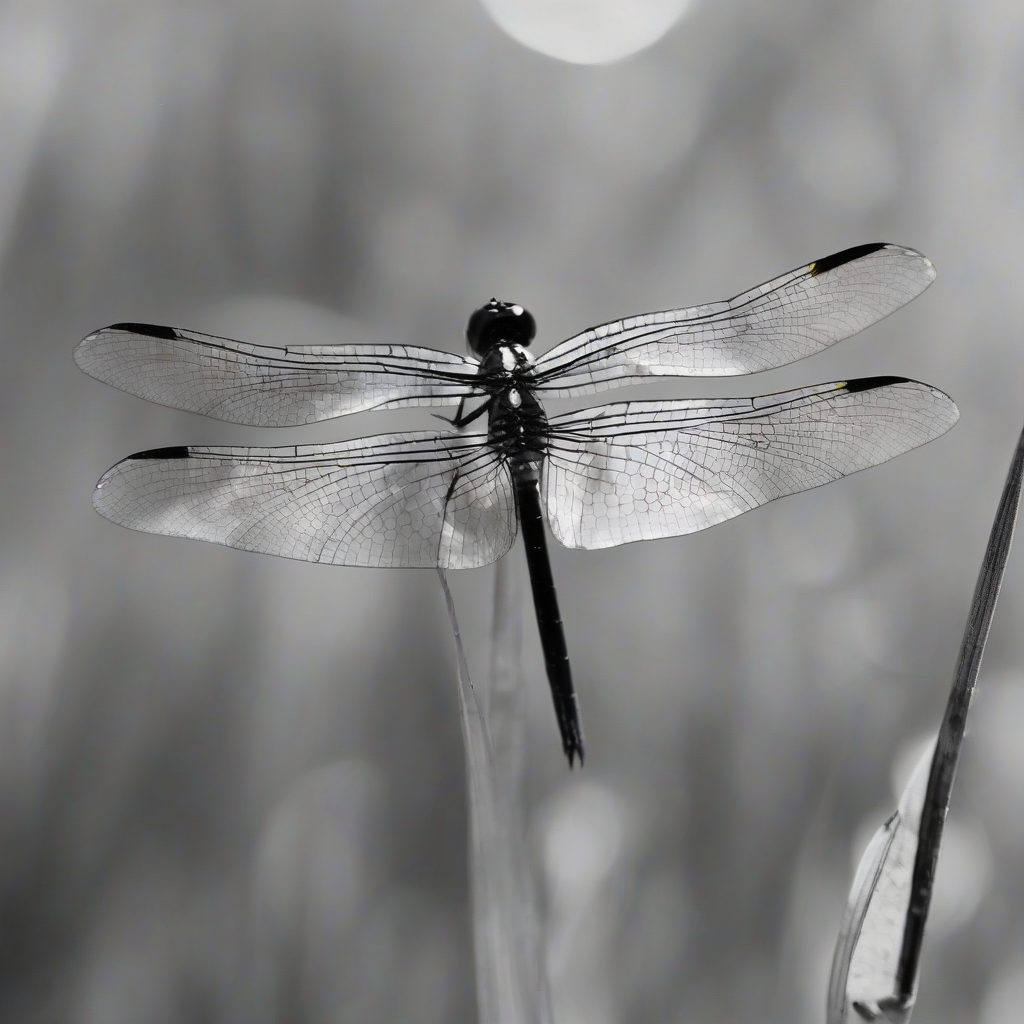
499, 323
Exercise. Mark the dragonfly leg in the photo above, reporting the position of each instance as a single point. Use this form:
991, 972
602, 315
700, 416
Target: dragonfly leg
458, 420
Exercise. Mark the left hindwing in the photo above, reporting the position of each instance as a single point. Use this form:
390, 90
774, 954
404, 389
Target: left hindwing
412, 499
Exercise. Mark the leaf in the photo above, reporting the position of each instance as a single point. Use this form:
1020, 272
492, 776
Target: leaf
877, 958
866, 959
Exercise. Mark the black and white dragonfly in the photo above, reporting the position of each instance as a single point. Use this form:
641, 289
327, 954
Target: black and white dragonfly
600, 476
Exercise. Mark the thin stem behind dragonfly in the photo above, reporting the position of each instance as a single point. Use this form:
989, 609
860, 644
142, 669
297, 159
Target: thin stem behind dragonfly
511, 986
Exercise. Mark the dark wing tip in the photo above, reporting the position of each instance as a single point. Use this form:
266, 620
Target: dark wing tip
837, 259
176, 452
870, 383
151, 330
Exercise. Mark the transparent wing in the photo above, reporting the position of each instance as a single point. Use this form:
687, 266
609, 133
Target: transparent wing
413, 499
793, 316
640, 470
265, 386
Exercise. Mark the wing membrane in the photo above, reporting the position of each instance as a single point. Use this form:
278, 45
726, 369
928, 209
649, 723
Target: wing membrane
265, 386
641, 470
783, 320
411, 499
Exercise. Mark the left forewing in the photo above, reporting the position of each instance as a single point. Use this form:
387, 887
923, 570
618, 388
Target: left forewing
642, 470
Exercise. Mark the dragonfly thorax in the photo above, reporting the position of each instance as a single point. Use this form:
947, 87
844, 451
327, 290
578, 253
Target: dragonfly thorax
499, 323
517, 425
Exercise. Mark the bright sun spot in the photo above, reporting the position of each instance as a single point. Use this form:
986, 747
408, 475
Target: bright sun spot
586, 31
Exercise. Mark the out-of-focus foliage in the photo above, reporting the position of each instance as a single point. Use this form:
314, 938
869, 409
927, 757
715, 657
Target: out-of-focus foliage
231, 786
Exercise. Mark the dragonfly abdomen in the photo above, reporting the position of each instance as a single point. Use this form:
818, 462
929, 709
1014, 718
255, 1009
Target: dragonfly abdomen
518, 432
549, 619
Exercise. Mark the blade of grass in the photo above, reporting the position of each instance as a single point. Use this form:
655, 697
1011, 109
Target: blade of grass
883, 880
954, 722
510, 981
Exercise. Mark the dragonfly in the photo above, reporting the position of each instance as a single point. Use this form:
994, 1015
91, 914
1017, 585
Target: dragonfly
456, 497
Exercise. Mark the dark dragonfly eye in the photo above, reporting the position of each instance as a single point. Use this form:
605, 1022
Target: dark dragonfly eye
497, 323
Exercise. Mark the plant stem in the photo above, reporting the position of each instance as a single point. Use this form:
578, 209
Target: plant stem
954, 723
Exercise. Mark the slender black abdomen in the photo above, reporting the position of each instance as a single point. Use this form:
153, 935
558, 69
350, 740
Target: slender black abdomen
549, 621
518, 433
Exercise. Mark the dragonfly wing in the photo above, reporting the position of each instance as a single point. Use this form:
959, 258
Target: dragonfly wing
641, 470
411, 499
265, 386
783, 320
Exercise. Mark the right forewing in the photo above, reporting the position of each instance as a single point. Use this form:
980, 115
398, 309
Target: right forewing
412, 499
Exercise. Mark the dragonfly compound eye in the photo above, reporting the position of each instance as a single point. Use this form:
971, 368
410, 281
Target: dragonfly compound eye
499, 323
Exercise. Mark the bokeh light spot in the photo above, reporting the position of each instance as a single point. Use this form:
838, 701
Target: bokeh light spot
583, 838
586, 31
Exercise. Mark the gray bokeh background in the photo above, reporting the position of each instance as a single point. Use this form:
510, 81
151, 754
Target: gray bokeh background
231, 787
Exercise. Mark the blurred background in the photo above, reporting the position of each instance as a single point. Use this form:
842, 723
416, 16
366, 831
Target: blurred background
232, 787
